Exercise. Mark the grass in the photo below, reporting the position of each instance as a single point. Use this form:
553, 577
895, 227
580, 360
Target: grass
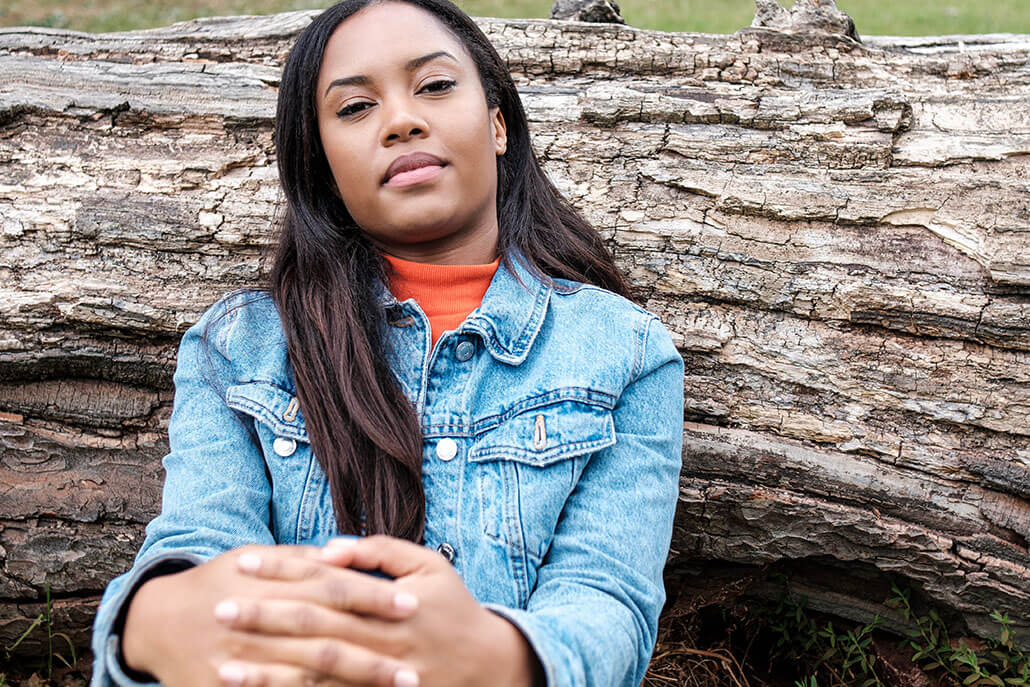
873, 17
46, 619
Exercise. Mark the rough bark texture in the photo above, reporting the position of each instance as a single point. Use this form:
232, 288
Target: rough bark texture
836, 233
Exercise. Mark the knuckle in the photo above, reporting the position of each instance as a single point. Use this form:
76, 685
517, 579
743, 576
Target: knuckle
327, 657
338, 593
310, 679
305, 620
381, 671
311, 570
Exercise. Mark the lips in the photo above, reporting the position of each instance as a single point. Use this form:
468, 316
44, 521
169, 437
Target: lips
412, 161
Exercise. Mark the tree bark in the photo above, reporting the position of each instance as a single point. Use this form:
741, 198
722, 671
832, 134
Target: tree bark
835, 231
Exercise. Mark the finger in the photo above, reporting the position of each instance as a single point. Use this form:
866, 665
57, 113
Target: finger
238, 674
251, 559
395, 557
326, 659
340, 589
270, 565
300, 619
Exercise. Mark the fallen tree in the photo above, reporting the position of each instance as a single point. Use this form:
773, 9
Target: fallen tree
835, 229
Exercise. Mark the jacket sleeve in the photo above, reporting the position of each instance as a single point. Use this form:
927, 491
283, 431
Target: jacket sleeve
215, 495
593, 617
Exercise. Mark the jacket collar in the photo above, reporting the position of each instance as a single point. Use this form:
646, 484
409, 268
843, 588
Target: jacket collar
511, 313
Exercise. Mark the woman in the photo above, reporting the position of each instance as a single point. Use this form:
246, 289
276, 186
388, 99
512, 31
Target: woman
445, 361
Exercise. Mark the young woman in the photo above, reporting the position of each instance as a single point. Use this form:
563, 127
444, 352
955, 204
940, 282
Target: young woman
444, 368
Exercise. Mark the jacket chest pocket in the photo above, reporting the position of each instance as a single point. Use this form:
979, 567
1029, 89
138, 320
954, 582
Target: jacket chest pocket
283, 440
528, 465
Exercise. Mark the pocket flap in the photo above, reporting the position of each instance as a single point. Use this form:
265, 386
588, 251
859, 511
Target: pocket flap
274, 406
546, 435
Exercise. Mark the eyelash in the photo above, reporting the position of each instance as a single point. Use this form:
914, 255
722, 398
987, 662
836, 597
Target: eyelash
438, 86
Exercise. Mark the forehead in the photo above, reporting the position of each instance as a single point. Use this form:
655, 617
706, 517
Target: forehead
385, 37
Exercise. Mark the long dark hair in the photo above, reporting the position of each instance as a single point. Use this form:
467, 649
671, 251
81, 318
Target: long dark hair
362, 428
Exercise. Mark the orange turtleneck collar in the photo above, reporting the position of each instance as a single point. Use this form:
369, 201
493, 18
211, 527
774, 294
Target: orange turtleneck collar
446, 293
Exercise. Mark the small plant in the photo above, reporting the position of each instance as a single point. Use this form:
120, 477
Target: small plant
12, 647
840, 657
999, 663
51, 635
45, 618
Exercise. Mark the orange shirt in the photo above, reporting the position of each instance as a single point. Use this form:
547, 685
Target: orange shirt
446, 293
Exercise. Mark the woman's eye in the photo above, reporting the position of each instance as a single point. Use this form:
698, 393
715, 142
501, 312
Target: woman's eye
438, 86
353, 108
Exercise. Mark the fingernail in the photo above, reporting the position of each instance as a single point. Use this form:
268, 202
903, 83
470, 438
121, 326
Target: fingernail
405, 678
405, 601
249, 562
227, 611
233, 673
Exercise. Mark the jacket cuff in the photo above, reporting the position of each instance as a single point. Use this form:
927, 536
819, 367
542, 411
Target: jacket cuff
111, 621
530, 629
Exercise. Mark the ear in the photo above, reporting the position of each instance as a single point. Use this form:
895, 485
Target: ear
500, 130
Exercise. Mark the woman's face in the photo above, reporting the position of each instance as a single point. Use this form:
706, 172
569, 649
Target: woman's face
408, 135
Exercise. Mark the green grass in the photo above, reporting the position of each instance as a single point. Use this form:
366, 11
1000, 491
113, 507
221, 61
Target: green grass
873, 17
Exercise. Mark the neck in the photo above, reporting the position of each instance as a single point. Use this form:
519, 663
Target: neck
477, 246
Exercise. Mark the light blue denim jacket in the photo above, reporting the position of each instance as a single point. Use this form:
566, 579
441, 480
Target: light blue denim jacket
565, 403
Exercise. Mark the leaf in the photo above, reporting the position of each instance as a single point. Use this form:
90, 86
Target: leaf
37, 621
971, 679
71, 644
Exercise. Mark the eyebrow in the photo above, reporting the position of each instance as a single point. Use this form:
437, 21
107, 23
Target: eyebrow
410, 66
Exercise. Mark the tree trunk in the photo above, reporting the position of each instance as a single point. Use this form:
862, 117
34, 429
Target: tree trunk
836, 232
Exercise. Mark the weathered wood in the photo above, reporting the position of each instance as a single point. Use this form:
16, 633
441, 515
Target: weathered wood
837, 233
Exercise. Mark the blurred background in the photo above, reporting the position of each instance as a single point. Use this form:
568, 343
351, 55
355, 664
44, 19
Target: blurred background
873, 17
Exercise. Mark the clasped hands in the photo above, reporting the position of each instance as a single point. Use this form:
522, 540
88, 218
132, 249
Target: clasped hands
291, 616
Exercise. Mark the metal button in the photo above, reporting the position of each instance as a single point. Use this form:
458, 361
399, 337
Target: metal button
448, 551
465, 351
284, 446
446, 449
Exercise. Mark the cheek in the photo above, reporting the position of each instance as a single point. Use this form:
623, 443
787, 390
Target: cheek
477, 146
349, 168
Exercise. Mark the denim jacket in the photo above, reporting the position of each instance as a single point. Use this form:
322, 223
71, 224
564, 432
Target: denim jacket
552, 420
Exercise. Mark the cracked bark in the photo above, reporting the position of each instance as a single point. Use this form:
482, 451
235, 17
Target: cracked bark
836, 233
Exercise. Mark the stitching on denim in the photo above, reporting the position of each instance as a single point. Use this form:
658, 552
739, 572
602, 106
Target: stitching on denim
267, 415
562, 452
536, 319
638, 366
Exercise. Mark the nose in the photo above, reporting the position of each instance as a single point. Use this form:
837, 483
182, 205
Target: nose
402, 121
